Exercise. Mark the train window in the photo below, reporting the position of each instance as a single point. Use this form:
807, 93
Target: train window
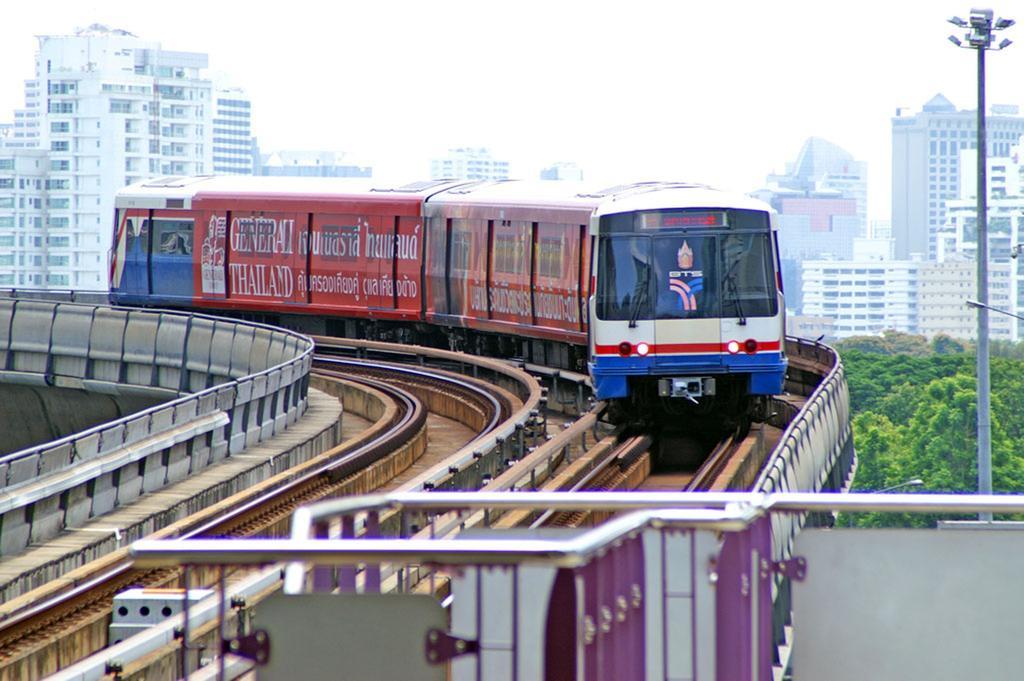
172, 237
511, 247
460, 250
685, 277
748, 279
506, 254
623, 283
549, 258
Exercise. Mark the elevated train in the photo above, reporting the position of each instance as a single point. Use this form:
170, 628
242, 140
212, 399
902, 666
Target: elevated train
668, 293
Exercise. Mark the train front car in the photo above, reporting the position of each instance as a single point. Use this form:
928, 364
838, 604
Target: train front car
688, 316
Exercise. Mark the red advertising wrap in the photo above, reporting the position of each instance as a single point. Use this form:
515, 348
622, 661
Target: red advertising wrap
365, 263
264, 258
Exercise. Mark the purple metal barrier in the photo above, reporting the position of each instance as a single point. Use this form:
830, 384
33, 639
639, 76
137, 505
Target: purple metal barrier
743, 619
612, 596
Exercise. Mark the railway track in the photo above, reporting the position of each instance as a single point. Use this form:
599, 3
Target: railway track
354, 467
562, 461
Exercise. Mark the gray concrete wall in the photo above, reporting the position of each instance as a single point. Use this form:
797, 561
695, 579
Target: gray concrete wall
32, 415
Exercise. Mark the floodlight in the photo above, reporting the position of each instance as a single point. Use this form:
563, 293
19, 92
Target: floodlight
956, 41
957, 21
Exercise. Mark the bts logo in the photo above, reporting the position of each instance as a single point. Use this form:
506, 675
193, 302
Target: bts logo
688, 282
684, 256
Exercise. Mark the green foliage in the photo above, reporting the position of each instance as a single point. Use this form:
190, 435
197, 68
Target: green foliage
914, 416
945, 345
889, 343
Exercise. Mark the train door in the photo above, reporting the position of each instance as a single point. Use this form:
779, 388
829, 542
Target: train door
510, 271
379, 263
129, 271
211, 240
264, 258
556, 290
335, 264
407, 264
171, 244
436, 267
684, 283
467, 269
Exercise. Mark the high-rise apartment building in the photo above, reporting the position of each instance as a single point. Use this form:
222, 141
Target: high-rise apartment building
926, 165
863, 296
233, 143
943, 291
469, 164
103, 109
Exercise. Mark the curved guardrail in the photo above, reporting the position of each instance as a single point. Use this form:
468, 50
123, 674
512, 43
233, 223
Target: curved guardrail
229, 384
816, 451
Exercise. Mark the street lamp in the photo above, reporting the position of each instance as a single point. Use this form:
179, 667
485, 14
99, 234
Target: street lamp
975, 303
979, 38
916, 482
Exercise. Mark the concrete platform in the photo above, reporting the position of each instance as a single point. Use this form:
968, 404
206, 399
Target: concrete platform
319, 429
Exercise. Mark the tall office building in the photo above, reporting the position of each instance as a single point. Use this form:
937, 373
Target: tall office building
104, 109
822, 204
823, 169
233, 142
926, 165
469, 164
958, 237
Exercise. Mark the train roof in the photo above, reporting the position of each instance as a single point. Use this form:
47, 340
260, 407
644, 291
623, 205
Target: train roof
559, 196
655, 195
154, 193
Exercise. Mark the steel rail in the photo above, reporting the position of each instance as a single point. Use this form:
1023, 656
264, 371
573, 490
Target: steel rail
412, 418
412, 414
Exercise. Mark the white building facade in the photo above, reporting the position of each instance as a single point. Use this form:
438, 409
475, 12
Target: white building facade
233, 146
864, 296
104, 109
469, 164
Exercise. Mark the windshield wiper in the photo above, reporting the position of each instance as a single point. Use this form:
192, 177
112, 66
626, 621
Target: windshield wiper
640, 299
734, 294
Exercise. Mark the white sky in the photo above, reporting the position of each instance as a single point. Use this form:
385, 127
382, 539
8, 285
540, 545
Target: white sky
722, 91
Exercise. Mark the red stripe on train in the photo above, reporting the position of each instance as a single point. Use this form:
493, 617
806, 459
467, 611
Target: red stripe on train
689, 348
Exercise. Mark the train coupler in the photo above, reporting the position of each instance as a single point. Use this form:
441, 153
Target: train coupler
688, 387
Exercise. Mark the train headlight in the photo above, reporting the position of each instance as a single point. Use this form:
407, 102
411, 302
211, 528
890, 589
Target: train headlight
733, 347
642, 349
750, 346
625, 349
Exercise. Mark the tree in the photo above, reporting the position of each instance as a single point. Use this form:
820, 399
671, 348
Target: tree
946, 345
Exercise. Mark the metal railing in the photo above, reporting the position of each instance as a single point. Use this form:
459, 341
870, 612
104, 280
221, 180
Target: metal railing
694, 567
229, 384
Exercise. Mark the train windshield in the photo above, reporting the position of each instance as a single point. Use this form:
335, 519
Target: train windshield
685, 276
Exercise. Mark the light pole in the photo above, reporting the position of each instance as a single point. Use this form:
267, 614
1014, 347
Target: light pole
979, 38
